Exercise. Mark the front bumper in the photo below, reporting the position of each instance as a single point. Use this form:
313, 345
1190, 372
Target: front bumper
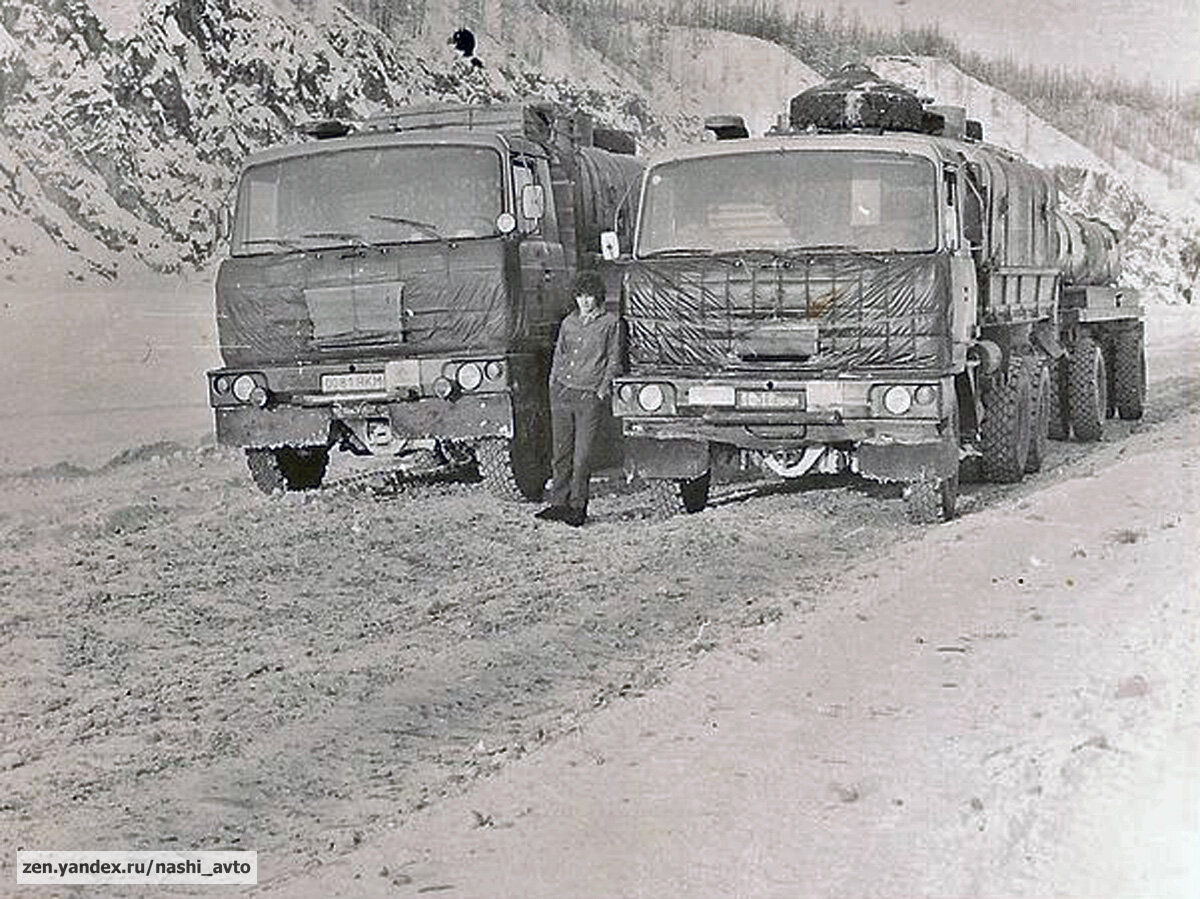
300, 405
894, 426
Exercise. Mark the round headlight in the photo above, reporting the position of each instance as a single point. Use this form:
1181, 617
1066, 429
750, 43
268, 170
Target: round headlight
897, 400
442, 388
626, 393
221, 384
258, 396
650, 397
494, 370
469, 376
243, 386
925, 395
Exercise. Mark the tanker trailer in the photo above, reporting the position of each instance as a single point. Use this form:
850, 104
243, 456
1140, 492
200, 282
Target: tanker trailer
1104, 372
870, 288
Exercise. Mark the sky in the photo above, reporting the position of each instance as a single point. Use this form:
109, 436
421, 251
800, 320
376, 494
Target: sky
1159, 39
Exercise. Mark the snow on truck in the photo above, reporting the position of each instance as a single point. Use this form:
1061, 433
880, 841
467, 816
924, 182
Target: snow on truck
399, 285
868, 288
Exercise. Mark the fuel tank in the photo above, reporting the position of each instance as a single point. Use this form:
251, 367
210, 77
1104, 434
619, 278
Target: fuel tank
1088, 251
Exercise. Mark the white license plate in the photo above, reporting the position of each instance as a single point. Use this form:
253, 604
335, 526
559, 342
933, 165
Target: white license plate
402, 373
769, 399
710, 395
824, 395
352, 382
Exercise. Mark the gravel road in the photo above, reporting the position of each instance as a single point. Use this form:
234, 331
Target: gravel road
193, 665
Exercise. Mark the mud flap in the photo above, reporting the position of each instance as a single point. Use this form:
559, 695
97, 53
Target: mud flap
283, 426
677, 459
908, 461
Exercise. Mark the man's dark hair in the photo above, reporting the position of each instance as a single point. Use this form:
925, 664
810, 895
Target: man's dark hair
588, 282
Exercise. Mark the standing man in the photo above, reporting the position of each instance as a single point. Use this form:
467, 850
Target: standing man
586, 359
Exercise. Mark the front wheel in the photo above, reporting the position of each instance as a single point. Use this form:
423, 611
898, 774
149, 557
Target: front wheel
287, 467
511, 469
930, 500
670, 497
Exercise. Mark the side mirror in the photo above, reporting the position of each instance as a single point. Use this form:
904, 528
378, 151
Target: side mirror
224, 223
533, 202
610, 246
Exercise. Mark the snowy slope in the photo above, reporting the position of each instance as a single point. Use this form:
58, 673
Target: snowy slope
124, 120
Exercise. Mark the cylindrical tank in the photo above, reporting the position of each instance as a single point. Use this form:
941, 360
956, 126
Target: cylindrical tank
1088, 251
606, 195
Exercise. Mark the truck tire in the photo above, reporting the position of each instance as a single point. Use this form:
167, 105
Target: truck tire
287, 468
510, 469
929, 500
1043, 412
1059, 425
1007, 427
670, 497
1129, 373
1087, 389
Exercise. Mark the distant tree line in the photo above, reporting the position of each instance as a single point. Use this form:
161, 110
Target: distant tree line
1106, 113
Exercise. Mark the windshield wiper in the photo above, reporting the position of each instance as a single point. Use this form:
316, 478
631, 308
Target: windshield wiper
677, 251
356, 240
290, 245
849, 249
425, 227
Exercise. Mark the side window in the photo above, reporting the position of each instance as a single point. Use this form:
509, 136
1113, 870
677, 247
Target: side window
950, 213
524, 173
534, 170
973, 207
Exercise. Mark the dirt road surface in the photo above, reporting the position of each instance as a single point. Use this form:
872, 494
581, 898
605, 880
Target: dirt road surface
392, 688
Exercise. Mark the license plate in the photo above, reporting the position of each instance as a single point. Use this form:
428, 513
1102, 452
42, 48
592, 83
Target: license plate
769, 399
710, 395
352, 382
402, 373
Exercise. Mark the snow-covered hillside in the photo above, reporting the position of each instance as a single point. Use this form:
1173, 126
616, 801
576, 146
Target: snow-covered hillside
124, 121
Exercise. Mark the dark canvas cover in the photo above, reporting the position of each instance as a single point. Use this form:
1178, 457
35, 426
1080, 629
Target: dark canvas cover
833, 311
419, 300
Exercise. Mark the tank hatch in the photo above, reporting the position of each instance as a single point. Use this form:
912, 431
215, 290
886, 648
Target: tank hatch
856, 98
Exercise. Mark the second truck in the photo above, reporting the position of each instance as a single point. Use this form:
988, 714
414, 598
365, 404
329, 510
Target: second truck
871, 288
398, 285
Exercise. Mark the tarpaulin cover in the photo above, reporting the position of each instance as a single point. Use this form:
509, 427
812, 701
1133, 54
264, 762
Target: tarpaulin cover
283, 308
858, 98
725, 313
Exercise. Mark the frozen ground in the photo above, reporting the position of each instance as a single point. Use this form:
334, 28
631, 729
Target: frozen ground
792, 687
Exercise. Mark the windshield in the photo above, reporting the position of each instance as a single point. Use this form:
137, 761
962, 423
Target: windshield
372, 195
790, 200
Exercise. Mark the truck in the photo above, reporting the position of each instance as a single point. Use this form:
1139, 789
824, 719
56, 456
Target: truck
397, 284
868, 288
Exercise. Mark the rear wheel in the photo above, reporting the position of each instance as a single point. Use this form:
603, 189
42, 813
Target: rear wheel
1087, 389
670, 497
287, 467
1043, 412
1007, 427
1129, 373
1059, 425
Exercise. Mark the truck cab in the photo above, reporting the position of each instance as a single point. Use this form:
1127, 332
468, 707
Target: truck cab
400, 286
787, 300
